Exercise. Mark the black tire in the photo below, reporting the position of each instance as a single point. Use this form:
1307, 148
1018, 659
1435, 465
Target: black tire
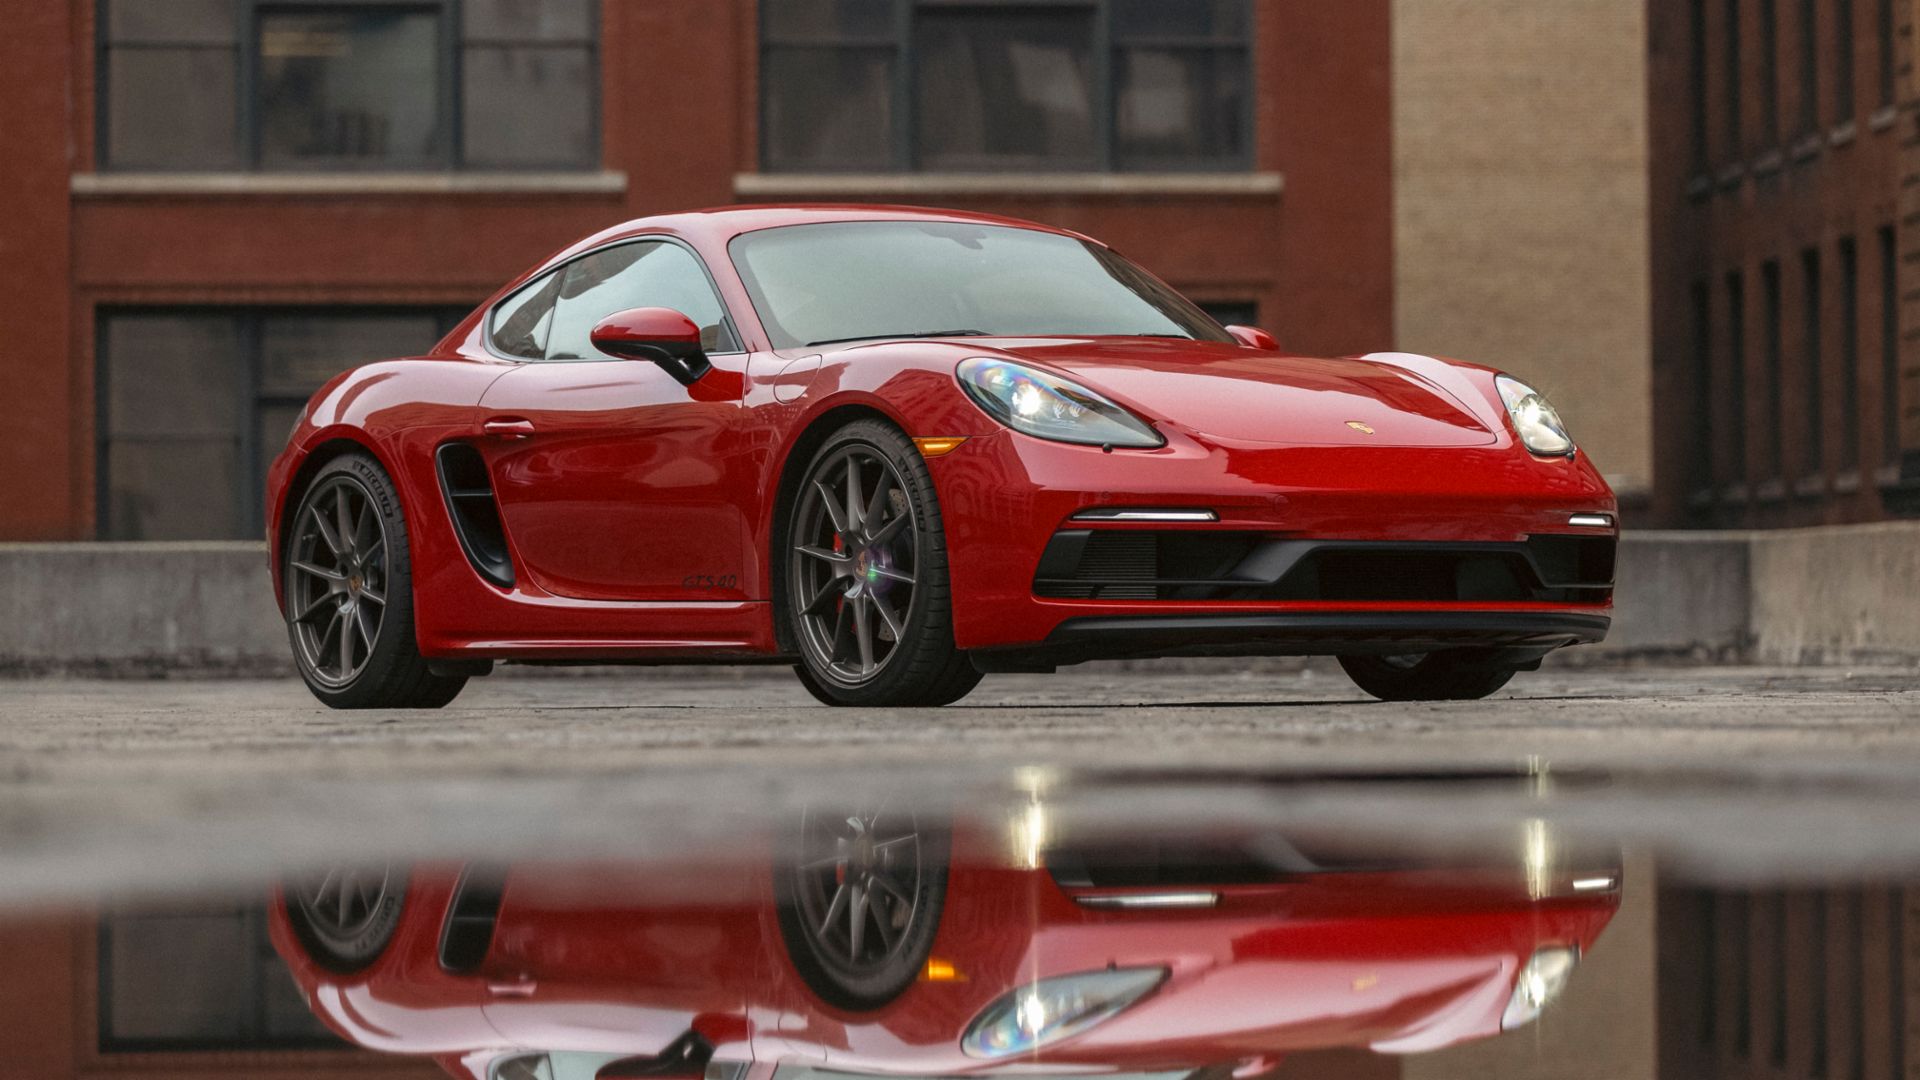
349, 594
817, 927
1438, 676
346, 916
860, 580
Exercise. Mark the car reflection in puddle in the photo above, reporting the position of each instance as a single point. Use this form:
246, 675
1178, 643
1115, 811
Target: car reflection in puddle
870, 941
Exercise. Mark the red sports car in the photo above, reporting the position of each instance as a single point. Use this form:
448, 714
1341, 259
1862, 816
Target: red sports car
885, 948
900, 448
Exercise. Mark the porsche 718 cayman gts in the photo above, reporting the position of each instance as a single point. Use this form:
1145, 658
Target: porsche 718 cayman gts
902, 448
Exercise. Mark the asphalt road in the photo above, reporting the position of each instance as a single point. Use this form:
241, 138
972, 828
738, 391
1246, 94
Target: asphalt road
138, 785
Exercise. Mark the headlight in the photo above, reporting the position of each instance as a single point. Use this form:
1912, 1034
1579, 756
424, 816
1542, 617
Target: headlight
1055, 1009
1540, 982
1050, 407
1540, 427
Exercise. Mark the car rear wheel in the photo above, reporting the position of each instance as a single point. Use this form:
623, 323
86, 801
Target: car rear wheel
349, 592
1439, 676
859, 899
347, 915
868, 600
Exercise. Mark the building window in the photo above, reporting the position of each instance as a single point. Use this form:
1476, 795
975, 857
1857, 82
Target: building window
308, 85
1776, 413
195, 402
1735, 79
1232, 312
1843, 107
1770, 71
198, 977
1701, 436
1809, 65
1737, 374
1814, 449
1697, 84
1889, 347
1889, 62
1068, 85
1849, 354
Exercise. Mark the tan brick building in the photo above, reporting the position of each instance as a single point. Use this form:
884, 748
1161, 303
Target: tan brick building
1521, 209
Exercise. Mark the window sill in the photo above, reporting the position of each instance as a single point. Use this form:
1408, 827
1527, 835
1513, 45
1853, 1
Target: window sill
1843, 134
1884, 118
1810, 487
1122, 185
1769, 163
111, 185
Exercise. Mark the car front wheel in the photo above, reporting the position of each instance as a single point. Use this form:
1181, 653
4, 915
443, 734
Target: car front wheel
349, 592
868, 599
1438, 676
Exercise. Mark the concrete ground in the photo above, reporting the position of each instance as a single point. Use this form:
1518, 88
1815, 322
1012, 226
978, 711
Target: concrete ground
1724, 771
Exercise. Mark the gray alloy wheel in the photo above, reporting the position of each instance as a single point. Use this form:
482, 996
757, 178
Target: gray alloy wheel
348, 584
337, 581
853, 564
347, 915
867, 601
860, 901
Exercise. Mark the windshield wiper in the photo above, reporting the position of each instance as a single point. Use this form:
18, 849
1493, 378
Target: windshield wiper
911, 334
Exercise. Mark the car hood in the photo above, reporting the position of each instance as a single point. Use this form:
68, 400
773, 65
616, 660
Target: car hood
1249, 396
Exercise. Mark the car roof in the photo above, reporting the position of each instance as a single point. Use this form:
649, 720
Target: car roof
721, 224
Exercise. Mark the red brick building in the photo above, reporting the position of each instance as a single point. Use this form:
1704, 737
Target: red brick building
214, 204
1786, 317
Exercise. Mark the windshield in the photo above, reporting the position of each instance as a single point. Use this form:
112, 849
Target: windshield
850, 281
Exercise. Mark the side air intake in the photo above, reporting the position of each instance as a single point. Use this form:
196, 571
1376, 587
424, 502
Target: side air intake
468, 934
468, 489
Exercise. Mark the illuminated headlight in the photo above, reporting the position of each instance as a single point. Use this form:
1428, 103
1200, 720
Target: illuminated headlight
1538, 425
1049, 407
1054, 1009
1541, 980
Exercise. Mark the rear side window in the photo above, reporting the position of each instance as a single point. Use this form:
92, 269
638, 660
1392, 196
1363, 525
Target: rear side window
523, 321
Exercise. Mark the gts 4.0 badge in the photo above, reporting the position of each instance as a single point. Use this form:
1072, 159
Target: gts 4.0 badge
710, 582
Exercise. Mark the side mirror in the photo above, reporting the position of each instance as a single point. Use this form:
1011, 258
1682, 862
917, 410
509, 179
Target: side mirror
659, 335
1254, 338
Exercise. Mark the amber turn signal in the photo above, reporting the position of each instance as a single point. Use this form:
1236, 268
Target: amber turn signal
936, 446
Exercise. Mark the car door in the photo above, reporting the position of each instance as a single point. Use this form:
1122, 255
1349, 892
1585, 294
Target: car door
615, 481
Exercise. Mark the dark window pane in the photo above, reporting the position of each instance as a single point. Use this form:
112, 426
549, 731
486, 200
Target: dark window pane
528, 105
523, 321
299, 352
631, 276
198, 976
528, 20
174, 489
1181, 107
177, 977
1843, 30
1186, 18
828, 108
171, 108
194, 22
174, 375
350, 88
1232, 312
1005, 89
829, 20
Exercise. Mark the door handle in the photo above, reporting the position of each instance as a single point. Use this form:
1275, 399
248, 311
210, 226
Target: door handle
520, 987
507, 427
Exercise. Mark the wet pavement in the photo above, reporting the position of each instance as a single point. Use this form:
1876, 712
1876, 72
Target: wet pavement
1209, 874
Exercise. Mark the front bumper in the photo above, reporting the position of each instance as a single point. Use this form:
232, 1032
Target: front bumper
1005, 498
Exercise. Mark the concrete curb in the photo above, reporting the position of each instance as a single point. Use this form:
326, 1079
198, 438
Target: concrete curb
1846, 594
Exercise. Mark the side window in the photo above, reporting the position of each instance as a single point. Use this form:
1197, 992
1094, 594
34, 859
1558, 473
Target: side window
641, 274
522, 321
